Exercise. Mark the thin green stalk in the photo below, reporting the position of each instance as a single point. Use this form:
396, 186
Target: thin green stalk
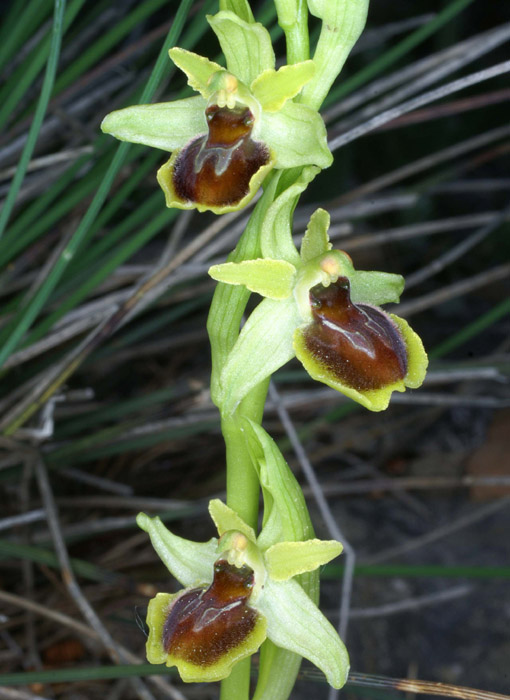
42, 105
296, 30
36, 303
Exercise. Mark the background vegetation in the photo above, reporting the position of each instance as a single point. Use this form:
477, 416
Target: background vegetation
104, 405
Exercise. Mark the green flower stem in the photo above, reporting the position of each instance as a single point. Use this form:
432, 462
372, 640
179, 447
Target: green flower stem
223, 324
237, 685
295, 25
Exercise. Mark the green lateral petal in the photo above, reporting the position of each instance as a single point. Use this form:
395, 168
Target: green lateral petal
376, 287
165, 125
190, 562
374, 400
241, 8
273, 88
247, 46
198, 69
270, 278
276, 235
297, 135
417, 360
227, 519
287, 559
296, 624
264, 345
316, 240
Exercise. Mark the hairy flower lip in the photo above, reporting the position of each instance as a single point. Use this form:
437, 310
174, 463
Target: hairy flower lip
357, 343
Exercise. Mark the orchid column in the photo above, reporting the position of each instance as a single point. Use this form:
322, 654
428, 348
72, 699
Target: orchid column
253, 126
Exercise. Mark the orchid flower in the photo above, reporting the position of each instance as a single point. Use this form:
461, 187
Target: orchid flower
239, 590
324, 311
244, 122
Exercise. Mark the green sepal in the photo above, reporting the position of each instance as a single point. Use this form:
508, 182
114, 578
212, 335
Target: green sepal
376, 288
190, 562
296, 624
270, 278
227, 519
198, 69
316, 240
298, 136
165, 125
276, 234
264, 345
241, 8
247, 46
273, 88
287, 559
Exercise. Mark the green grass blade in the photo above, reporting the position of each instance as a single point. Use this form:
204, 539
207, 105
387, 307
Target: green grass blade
42, 105
14, 32
35, 304
401, 49
100, 47
26, 73
472, 330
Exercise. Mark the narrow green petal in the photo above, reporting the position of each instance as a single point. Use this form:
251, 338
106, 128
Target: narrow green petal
270, 278
227, 519
247, 45
287, 559
296, 624
264, 345
276, 235
273, 88
165, 125
316, 240
297, 135
190, 562
198, 69
376, 288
